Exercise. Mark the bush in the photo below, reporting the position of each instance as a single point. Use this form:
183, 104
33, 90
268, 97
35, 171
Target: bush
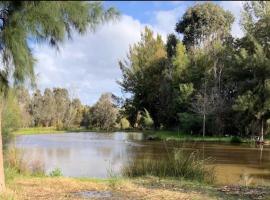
145, 121
124, 123
236, 139
178, 165
56, 173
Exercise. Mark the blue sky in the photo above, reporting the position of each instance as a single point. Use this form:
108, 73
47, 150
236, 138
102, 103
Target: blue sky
88, 65
144, 10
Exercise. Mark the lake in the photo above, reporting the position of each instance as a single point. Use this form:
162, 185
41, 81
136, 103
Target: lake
103, 154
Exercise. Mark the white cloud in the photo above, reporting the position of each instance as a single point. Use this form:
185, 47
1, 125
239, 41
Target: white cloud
88, 63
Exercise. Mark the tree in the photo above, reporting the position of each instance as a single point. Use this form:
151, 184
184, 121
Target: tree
204, 23
253, 62
48, 110
145, 77
36, 107
203, 104
171, 44
104, 113
24, 101
49, 22
62, 101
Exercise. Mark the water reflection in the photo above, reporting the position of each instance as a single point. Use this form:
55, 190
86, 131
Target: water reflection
94, 154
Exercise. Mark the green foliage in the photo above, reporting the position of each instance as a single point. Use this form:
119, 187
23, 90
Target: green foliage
236, 139
189, 122
56, 173
11, 114
124, 123
104, 113
49, 22
147, 121
204, 22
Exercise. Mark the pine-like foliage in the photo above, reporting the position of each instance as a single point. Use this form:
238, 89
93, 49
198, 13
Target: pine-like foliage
26, 22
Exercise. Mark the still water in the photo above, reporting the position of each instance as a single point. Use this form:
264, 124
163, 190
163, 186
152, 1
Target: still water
101, 154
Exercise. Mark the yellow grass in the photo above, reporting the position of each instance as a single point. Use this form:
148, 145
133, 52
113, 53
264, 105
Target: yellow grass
65, 188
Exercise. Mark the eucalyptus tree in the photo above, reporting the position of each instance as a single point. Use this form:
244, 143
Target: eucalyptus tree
204, 23
103, 114
48, 111
23, 22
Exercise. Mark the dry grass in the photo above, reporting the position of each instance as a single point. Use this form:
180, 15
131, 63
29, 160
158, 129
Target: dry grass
64, 188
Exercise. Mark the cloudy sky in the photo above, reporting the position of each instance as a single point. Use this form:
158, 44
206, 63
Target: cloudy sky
88, 65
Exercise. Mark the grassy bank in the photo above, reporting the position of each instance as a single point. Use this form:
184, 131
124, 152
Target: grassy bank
179, 136
158, 134
43, 130
35, 188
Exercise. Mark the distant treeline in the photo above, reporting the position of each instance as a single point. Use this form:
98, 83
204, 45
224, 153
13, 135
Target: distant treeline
56, 108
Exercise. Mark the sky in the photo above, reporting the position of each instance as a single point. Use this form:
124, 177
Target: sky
88, 65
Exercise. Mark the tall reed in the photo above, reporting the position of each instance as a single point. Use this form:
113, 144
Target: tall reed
179, 164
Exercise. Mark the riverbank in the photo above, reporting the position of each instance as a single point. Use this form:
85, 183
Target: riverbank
43, 130
152, 134
179, 136
53, 188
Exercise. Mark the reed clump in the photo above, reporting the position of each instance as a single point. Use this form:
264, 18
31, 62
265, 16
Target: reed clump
179, 164
15, 165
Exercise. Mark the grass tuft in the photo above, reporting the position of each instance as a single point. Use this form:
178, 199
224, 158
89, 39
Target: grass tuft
178, 165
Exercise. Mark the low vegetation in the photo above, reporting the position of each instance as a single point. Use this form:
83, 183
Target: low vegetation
180, 136
178, 165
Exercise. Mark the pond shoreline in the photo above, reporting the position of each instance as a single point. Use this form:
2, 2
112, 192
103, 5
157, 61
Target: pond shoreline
153, 134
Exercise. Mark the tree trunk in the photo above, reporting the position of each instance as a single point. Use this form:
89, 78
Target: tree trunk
262, 133
2, 175
204, 125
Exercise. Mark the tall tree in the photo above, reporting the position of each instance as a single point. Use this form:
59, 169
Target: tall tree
103, 114
48, 108
204, 23
49, 22
144, 71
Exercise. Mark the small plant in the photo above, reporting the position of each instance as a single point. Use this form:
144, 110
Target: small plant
245, 179
236, 139
113, 177
56, 173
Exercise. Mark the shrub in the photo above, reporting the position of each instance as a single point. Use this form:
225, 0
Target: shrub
178, 165
145, 120
124, 123
56, 173
236, 139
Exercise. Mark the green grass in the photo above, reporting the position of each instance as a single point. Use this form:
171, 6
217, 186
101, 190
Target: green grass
36, 130
43, 130
179, 136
